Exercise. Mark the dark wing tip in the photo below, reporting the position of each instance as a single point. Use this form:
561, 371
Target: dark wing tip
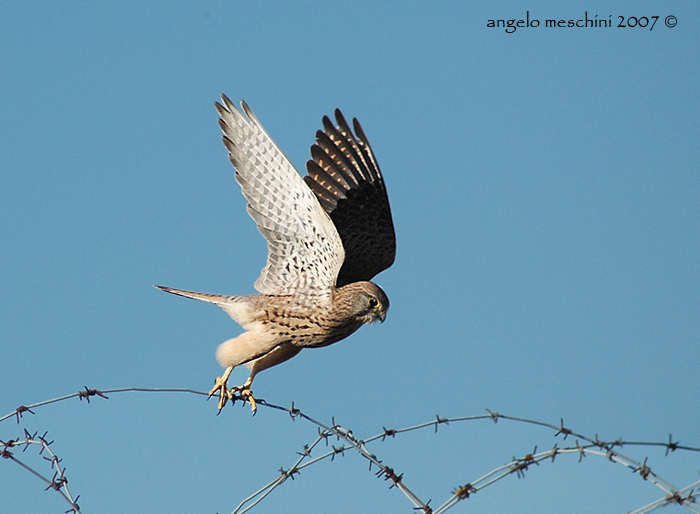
341, 119
227, 102
345, 177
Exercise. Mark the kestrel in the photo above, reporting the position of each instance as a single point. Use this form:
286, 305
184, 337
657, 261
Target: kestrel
328, 234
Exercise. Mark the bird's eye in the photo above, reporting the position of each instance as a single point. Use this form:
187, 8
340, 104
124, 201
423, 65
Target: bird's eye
373, 302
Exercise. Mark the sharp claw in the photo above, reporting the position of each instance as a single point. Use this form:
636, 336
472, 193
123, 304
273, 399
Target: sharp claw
246, 395
253, 404
226, 394
221, 386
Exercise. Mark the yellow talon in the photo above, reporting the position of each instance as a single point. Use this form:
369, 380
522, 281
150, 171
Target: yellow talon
246, 394
222, 388
226, 394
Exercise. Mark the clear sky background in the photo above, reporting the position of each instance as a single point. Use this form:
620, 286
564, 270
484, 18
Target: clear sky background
545, 189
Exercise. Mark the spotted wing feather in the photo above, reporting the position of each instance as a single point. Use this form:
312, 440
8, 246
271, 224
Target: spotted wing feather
345, 176
305, 251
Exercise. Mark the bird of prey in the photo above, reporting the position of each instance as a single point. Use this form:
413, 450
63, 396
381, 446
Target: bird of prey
328, 234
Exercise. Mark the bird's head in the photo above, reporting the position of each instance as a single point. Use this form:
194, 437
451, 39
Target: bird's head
370, 302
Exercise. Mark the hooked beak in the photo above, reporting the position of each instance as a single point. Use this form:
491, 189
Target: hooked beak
382, 316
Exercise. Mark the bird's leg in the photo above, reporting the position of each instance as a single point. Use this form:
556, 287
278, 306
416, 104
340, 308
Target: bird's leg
222, 388
281, 353
246, 393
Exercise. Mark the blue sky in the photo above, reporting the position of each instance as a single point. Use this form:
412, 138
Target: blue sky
545, 192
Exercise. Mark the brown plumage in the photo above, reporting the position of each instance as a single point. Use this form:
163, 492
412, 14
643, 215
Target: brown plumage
328, 235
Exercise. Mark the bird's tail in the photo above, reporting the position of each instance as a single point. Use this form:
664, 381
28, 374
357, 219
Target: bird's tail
205, 297
243, 309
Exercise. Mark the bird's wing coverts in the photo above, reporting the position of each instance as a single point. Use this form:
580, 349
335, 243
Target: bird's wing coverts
345, 177
305, 251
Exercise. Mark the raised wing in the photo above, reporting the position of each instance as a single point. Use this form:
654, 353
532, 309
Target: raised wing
305, 251
345, 177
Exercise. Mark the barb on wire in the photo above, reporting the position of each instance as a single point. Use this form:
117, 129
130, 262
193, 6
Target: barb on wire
58, 482
96, 392
87, 393
517, 466
583, 447
19, 411
690, 497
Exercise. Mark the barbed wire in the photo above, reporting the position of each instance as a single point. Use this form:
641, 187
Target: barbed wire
58, 482
686, 496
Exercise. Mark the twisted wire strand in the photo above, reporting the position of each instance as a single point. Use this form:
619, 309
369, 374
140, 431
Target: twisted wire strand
58, 482
593, 446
